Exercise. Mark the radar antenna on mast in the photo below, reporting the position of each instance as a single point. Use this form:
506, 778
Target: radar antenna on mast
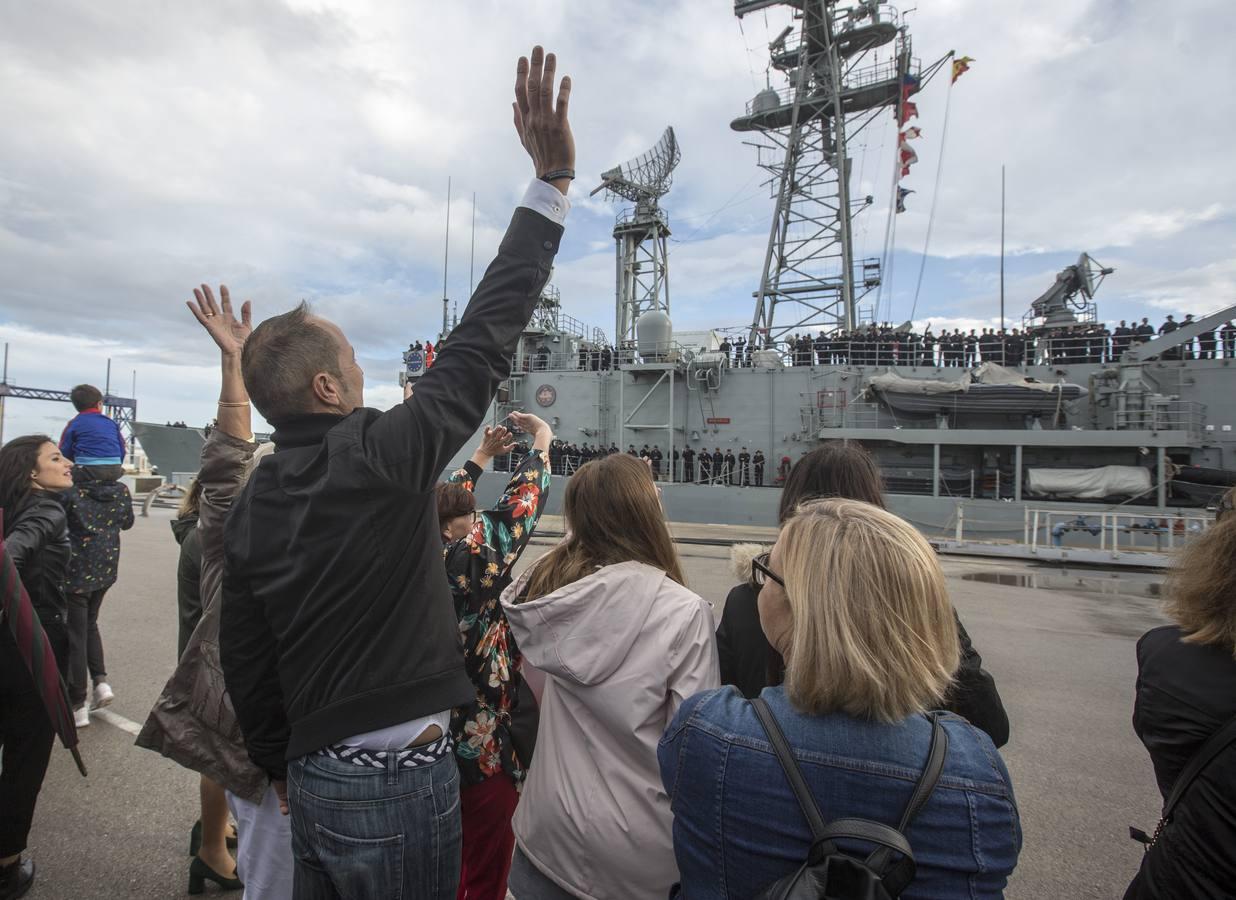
840, 79
1068, 303
641, 234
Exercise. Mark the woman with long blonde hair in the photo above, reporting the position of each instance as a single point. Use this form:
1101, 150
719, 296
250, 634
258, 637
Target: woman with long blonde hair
855, 601
607, 617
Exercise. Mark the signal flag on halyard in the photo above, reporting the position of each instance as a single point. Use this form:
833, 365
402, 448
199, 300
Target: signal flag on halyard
908, 157
902, 193
911, 133
961, 67
910, 84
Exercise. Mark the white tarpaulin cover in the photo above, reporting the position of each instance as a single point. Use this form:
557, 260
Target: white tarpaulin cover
1082, 484
993, 373
987, 373
891, 381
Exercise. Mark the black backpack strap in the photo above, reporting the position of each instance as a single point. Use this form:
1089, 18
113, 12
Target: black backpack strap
871, 832
1214, 745
785, 756
936, 755
902, 872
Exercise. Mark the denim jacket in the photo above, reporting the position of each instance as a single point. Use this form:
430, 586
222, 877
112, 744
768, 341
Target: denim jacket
738, 828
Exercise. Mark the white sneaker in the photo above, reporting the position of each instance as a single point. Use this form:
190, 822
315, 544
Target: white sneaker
103, 695
81, 717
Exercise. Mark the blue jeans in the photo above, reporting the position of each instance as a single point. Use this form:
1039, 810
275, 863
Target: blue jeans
360, 832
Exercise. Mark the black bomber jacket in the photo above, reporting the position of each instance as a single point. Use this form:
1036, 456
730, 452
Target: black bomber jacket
336, 617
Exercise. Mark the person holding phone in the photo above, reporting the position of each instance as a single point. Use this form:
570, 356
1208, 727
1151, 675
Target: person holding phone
495, 734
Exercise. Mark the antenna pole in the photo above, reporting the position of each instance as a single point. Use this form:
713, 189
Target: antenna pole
107, 390
1001, 247
472, 257
446, 256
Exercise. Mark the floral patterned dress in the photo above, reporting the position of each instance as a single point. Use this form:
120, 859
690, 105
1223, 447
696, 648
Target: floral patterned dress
479, 569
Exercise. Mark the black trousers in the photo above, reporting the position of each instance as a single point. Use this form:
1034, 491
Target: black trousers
85, 645
26, 734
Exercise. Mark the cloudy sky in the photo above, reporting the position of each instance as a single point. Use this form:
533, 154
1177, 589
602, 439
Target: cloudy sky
301, 149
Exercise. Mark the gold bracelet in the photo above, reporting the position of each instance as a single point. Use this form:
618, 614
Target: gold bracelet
241, 403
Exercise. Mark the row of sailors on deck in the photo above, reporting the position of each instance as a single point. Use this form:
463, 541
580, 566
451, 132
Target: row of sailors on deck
885, 346
743, 469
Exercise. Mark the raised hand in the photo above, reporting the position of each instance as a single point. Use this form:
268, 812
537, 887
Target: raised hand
219, 322
497, 442
543, 128
534, 425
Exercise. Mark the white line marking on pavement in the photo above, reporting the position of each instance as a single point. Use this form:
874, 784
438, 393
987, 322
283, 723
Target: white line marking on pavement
117, 720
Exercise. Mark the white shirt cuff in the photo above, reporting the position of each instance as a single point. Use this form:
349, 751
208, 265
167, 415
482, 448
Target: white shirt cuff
542, 197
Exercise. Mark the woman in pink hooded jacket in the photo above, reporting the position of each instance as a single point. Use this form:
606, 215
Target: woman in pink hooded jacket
607, 618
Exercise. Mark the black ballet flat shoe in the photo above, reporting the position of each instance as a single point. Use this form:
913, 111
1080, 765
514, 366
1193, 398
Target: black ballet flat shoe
200, 873
16, 878
195, 839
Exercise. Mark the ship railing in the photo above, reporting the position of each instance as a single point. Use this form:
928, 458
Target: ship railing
653, 353
640, 214
1164, 415
1115, 531
943, 352
563, 361
842, 415
853, 80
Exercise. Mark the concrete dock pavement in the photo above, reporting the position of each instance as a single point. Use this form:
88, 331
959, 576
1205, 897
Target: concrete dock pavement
1063, 660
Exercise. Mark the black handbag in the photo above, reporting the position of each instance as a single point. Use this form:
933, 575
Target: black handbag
525, 722
830, 873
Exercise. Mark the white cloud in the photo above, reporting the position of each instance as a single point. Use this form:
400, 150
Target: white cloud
302, 148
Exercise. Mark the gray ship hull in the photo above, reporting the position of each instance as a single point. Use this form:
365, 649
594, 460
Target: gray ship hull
1149, 413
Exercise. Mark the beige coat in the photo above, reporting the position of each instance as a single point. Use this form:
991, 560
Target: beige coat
621, 650
193, 722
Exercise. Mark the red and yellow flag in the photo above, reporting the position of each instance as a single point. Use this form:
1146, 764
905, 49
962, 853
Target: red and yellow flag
961, 66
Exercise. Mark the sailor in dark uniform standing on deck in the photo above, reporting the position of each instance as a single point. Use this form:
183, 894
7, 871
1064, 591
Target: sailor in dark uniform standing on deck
718, 466
744, 468
688, 465
757, 463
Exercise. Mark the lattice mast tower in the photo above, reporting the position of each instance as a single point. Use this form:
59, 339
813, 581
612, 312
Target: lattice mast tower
839, 82
641, 234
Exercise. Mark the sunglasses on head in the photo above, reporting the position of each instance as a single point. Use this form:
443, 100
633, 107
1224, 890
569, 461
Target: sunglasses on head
761, 574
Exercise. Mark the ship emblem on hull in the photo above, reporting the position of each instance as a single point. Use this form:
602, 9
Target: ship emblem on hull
546, 395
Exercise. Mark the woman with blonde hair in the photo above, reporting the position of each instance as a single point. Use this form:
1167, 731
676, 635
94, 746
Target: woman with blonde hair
845, 470
1185, 714
855, 600
607, 617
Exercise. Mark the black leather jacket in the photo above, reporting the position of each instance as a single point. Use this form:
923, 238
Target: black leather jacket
1185, 693
336, 616
38, 542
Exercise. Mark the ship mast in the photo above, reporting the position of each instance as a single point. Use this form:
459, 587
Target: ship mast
641, 234
837, 86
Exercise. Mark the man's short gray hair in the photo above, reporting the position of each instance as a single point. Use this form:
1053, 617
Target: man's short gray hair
280, 360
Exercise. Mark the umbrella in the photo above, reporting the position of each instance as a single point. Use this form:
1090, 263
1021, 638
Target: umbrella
36, 651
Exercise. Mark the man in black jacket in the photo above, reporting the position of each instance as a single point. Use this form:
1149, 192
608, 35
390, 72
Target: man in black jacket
339, 639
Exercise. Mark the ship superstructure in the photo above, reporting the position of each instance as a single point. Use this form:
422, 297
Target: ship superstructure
991, 430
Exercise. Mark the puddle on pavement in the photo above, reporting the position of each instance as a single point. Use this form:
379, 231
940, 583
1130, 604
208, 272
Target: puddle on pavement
1126, 584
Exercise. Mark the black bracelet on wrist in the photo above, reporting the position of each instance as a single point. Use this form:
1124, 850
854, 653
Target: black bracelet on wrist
550, 177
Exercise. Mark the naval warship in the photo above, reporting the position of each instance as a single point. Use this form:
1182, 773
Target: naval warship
1040, 442
1044, 443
